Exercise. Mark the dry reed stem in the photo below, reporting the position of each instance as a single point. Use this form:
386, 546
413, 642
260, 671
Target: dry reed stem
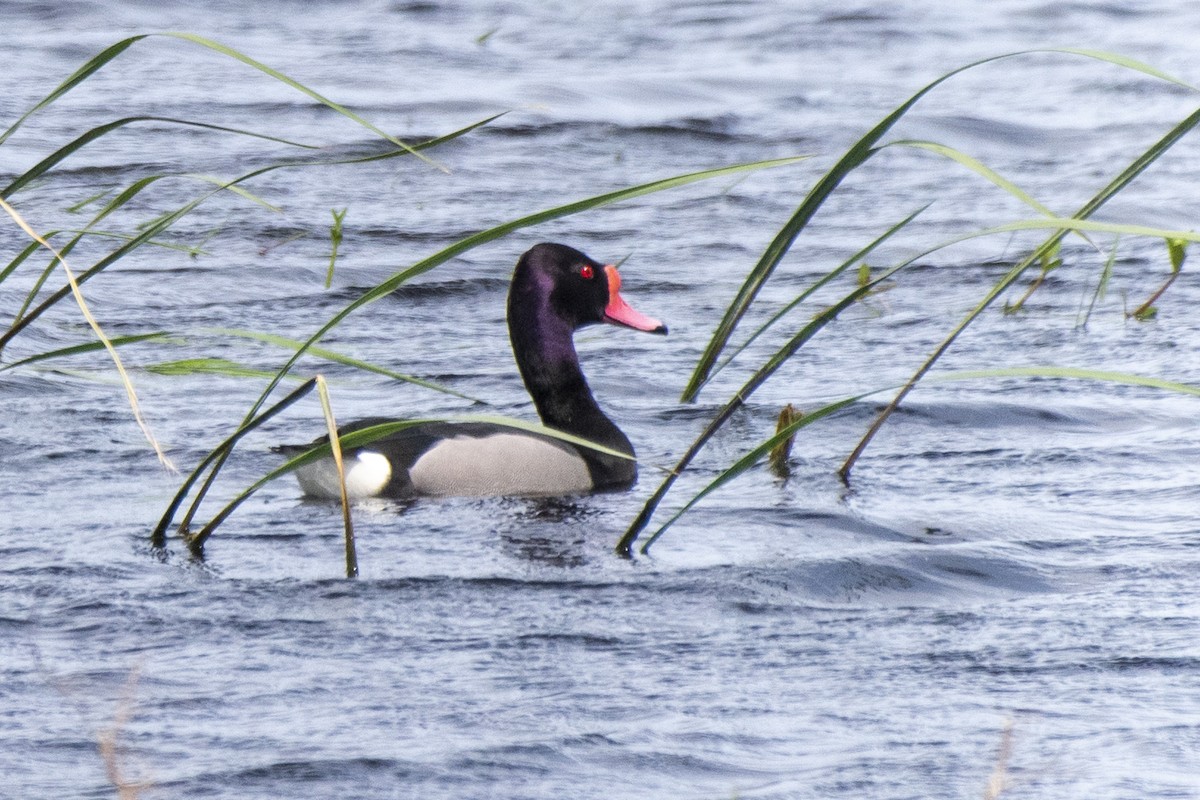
107, 743
335, 446
91, 320
782, 451
998, 781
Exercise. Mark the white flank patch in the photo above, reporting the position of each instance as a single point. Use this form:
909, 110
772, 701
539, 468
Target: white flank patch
366, 475
500, 464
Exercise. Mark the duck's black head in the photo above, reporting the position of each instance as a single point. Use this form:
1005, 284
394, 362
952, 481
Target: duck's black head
553, 280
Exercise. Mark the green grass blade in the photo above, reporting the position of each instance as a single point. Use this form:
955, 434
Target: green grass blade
749, 460
1102, 283
89, 347
1123, 179
125, 237
367, 435
534, 427
978, 167
330, 355
755, 455
112, 51
625, 545
1068, 373
857, 155
21, 257
1128, 63
1068, 224
223, 184
816, 286
166, 220
79, 76
158, 538
335, 241
69, 149
282, 78
207, 366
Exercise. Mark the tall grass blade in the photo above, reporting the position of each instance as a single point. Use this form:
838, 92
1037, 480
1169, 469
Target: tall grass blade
979, 168
625, 544
88, 347
336, 450
114, 50
1102, 283
857, 155
158, 537
819, 284
1123, 179
76, 78
130, 392
755, 455
21, 257
335, 241
1068, 373
282, 78
166, 220
207, 366
751, 458
330, 355
1128, 63
1066, 225
69, 149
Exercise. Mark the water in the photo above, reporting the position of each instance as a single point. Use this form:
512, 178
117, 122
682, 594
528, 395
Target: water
1016, 552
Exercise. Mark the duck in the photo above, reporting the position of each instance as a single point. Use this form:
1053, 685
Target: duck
555, 291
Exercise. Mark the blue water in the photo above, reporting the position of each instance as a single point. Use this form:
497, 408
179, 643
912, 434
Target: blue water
1011, 554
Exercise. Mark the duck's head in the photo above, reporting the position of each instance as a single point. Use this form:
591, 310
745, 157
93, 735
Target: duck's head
561, 281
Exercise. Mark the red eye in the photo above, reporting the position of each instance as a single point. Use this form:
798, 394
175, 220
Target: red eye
587, 272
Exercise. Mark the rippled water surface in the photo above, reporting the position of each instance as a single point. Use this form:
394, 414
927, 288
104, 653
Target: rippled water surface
1007, 589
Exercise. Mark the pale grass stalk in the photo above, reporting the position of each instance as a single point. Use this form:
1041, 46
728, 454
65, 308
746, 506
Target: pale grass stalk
107, 744
335, 446
998, 781
91, 320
